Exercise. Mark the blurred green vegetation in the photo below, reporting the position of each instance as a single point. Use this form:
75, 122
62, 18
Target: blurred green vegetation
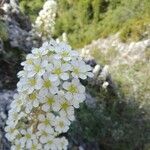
132, 78
134, 81
136, 29
31, 7
114, 123
119, 122
86, 20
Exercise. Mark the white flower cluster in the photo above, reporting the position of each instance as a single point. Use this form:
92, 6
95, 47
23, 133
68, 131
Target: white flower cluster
44, 24
48, 92
100, 75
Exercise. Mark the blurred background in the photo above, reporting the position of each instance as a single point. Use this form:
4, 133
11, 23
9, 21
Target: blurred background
113, 36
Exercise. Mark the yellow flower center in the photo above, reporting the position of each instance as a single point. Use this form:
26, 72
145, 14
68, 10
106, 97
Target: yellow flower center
50, 142
29, 61
76, 70
19, 102
34, 147
50, 100
12, 130
72, 88
32, 96
44, 133
47, 84
32, 82
18, 147
50, 53
37, 68
65, 105
46, 122
57, 71
28, 136
65, 54
61, 124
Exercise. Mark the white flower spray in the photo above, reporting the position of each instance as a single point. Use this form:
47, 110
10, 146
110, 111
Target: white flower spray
48, 92
45, 22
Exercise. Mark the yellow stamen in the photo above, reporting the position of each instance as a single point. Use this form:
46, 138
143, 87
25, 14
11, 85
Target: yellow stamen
47, 84
72, 89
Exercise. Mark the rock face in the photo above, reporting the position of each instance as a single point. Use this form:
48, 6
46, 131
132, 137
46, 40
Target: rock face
127, 52
15, 27
5, 100
1, 46
18, 26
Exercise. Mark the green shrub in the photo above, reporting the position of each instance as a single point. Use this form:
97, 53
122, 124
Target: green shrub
114, 123
134, 29
31, 7
100, 19
134, 81
86, 20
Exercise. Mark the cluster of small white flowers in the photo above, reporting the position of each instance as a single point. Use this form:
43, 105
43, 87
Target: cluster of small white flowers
44, 24
49, 90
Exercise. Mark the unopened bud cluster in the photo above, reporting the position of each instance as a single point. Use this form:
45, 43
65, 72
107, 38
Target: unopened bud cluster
44, 24
49, 90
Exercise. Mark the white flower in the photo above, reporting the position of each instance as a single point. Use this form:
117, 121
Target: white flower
11, 132
65, 52
96, 69
39, 53
18, 102
49, 85
74, 87
80, 69
44, 24
61, 102
32, 101
17, 145
61, 124
75, 92
62, 143
49, 101
22, 73
46, 121
51, 144
14, 117
29, 60
27, 138
44, 135
60, 70
37, 68
29, 84
105, 84
104, 73
69, 114
36, 145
